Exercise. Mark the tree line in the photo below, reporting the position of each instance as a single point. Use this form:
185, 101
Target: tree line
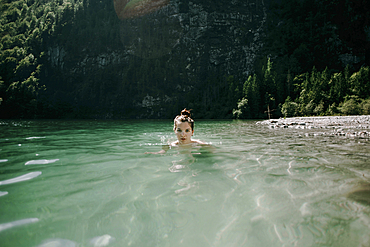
314, 93
315, 61
30, 32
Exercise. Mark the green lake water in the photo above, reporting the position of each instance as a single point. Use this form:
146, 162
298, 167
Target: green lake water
89, 183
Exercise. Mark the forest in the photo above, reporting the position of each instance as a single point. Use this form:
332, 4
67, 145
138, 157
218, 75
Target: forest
30, 33
314, 61
318, 62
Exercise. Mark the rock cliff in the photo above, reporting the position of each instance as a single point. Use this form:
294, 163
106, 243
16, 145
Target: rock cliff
173, 57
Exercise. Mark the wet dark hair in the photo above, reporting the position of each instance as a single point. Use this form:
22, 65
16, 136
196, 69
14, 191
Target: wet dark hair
184, 117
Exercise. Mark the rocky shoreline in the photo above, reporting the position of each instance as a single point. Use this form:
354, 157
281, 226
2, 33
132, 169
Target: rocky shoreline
347, 126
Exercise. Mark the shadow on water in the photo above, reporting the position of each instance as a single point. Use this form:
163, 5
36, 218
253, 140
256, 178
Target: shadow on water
361, 194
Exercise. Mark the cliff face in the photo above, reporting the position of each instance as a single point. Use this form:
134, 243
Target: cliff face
221, 33
180, 55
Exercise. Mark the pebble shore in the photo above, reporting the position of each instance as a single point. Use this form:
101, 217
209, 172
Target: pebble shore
347, 126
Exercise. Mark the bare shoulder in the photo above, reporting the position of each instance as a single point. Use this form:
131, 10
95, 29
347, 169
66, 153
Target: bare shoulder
174, 143
200, 142
205, 146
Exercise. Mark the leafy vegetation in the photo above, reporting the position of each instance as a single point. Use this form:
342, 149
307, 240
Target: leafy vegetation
318, 94
35, 35
25, 29
320, 54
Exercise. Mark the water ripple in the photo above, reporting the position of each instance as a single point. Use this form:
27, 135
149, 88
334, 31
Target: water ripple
101, 241
40, 162
22, 178
58, 242
12, 224
3, 193
288, 234
35, 137
258, 188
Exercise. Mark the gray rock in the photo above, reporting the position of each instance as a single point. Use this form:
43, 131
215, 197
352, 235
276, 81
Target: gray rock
343, 126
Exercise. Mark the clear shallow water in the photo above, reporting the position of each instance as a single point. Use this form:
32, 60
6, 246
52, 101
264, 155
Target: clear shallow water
89, 183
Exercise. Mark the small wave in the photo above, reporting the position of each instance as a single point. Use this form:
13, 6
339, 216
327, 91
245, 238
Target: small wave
40, 162
3, 193
17, 223
58, 242
22, 178
101, 241
3, 161
35, 137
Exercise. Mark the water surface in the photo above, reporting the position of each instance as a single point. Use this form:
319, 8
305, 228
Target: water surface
89, 183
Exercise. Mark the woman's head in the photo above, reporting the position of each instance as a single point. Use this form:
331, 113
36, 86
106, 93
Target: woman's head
184, 117
184, 127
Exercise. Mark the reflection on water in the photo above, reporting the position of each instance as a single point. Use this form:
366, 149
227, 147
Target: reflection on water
89, 183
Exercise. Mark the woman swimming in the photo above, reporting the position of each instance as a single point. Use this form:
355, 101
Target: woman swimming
183, 125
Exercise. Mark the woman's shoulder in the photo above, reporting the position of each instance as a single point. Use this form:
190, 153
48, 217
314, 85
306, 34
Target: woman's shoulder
199, 142
172, 144
193, 141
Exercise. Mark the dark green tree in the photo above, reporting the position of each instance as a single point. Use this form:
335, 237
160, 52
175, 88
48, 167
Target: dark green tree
252, 94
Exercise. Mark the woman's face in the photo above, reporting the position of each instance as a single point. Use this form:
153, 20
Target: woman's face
184, 132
